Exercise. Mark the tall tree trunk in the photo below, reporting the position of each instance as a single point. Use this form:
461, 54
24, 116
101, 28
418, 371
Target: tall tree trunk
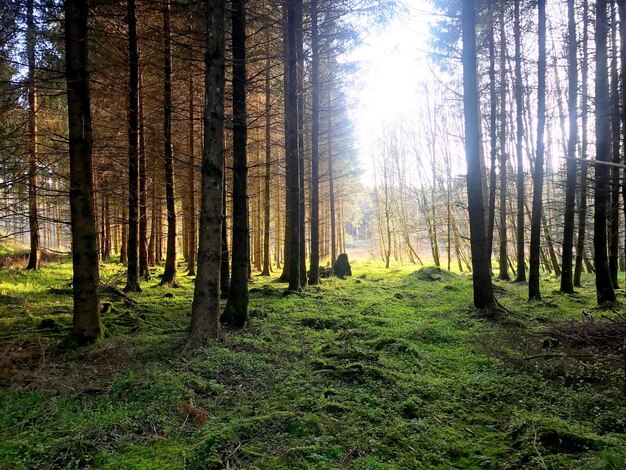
33, 218
519, 140
493, 139
225, 262
144, 273
301, 107
205, 310
87, 326
615, 141
582, 197
604, 286
315, 135
291, 145
482, 286
132, 279
236, 311
191, 258
169, 274
535, 222
621, 4
331, 187
502, 259
567, 284
268, 161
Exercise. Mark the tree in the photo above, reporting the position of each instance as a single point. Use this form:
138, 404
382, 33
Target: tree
604, 286
132, 279
519, 142
567, 285
236, 311
482, 286
291, 147
315, 131
87, 326
503, 256
33, 218
537, 208
169, 274
205, 310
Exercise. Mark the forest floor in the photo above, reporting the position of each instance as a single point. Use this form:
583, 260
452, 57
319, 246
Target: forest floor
386, 369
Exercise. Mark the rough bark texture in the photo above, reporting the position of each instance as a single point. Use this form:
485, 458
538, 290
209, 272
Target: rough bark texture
33, 217
87, 325
268, 163
483, 288
291, 147
169, 274
535, 222
621, 5
519, 152
582, 197
567, 282
205, 310
132, 279
315, 132
236, 311
143, 208
604, 286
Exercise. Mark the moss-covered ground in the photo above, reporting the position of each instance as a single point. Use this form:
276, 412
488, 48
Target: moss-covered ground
384, 370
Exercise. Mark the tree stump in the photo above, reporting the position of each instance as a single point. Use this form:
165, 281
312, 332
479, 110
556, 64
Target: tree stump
342, 267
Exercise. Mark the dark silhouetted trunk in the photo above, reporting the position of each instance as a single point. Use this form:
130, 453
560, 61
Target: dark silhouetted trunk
604, 286
535, 221
191, 255
314, 276
502, 259
236, 311
519, 152
169, 274
144, 273
615, 141
268, 162
291, 145
483, 288
33, 218
567, 284
132, 279
87, 326
582, 196
205, 310
493, 140
621, 4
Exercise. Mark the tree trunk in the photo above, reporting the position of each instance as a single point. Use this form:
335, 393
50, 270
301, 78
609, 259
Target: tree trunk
268, 162
493, 138
33, 218
535, 222
169, 274
519, 140
236, 311
483, 288
502, 258
132, 279
87, 326
315, 123
144, 273
191, 257
291, 145
225, 261
621, 4
567, 284
604, 286
205, 310
582, 197
615, 141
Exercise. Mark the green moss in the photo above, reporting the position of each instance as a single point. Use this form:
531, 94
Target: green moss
382, 370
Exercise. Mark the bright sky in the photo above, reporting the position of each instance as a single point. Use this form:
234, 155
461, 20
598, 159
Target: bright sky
392, 73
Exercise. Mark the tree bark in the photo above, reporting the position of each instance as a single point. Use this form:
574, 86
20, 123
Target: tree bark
33, 217
236, 311
144, 273
87, 326
291, 146
567, 284
132, 279
268, 162
205, 310
502, 259
604, 285
191, 174
169, 274
535, 223
482, 286
519, 141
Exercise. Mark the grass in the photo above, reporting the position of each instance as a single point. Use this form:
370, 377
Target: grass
387, 369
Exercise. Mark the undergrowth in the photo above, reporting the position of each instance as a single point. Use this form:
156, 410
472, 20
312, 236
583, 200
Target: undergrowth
387, 369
